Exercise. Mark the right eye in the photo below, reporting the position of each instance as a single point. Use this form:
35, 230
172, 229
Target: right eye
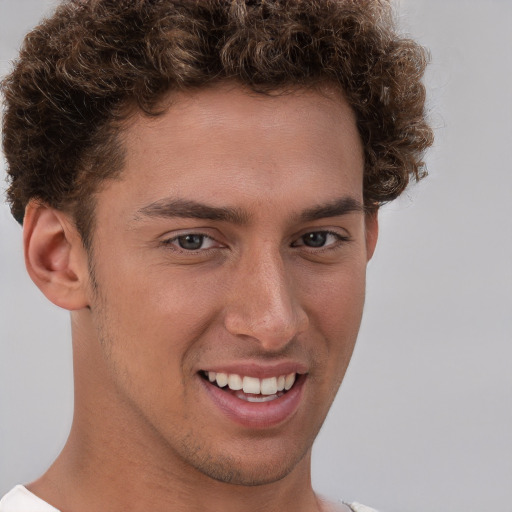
191, 242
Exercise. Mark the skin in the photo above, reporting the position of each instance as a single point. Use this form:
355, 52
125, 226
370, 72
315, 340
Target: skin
152, 314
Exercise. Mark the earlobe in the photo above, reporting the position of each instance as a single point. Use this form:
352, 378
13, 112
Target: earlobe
54, 256
372, 233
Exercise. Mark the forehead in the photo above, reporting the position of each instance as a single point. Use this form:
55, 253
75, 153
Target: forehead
225, 137
230, 103
236, 104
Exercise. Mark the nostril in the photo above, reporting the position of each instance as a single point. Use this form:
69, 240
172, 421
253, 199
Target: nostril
264, 306
272, 330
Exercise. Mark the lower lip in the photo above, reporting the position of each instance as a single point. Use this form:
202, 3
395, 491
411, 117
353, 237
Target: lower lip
258, 415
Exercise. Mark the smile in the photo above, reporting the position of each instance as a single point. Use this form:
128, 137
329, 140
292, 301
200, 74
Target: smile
252, 401
252, 389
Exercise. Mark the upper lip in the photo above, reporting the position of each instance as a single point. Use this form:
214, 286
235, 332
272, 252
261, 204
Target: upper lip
258, 370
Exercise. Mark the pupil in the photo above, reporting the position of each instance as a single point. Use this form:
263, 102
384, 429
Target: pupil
191, 242
316, 239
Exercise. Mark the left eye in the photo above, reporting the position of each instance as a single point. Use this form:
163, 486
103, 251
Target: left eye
317, 239
192, 242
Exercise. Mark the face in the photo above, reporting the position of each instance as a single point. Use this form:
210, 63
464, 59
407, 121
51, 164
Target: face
230, 262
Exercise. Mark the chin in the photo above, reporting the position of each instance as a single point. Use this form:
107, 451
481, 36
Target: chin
255, 475
251, 469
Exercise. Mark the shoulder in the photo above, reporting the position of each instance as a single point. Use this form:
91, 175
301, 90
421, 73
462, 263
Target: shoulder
328, 506
21, 499
357, 507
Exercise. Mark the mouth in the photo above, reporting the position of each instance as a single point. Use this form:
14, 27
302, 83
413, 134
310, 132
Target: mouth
254, 402
252, 389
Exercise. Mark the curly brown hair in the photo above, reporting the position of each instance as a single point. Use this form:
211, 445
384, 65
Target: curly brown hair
80, 69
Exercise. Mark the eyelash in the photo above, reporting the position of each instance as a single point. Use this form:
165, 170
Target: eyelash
340, 239
170, 241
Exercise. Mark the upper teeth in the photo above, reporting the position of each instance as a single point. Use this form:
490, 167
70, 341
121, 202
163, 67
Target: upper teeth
253, 385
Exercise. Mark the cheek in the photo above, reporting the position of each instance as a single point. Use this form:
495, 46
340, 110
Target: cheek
335, 311
154, 314
149, 326
336, 301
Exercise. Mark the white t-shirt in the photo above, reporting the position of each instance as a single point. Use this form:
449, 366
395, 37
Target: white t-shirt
21, 499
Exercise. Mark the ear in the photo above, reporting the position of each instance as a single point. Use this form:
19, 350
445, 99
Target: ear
372, 232
54, 256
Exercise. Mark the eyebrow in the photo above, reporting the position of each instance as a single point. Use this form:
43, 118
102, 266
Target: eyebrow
168, 208
337, 208
165, 208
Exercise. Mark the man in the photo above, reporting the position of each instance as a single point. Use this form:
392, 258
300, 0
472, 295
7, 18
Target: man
198, 184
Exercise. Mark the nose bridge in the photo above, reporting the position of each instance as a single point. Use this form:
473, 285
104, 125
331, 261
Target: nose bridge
264, 305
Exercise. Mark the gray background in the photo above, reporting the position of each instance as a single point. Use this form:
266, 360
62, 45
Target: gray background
424, 418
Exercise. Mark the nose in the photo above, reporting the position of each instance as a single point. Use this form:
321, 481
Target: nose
264, 304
